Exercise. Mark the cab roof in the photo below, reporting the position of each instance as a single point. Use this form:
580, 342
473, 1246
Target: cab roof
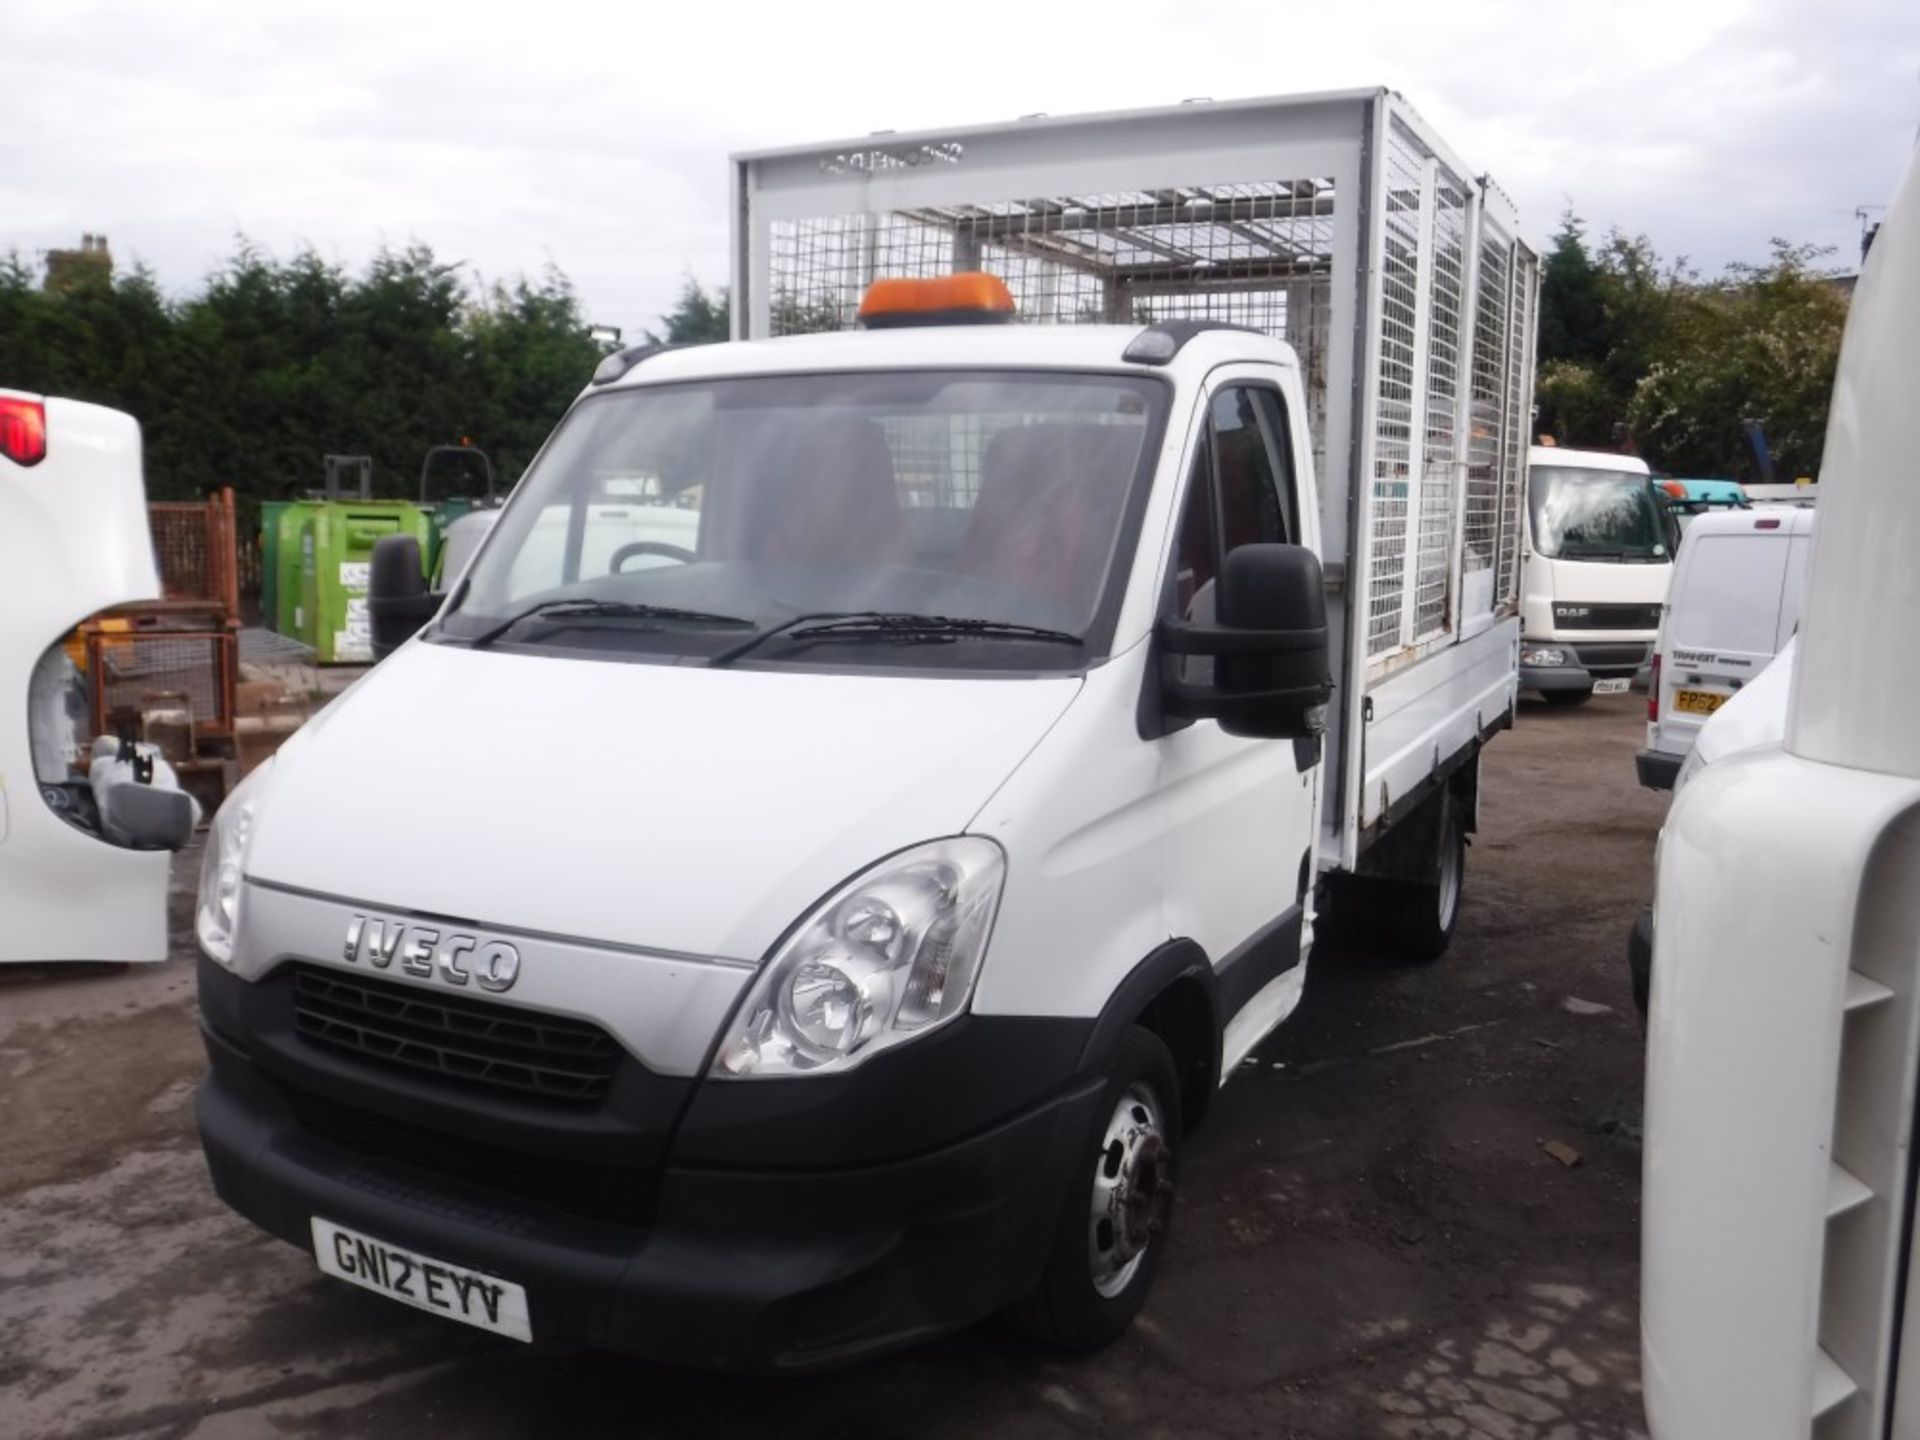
1012, 346
1585, 459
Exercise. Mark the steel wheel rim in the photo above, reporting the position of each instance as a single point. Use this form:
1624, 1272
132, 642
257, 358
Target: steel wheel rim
1132, 1190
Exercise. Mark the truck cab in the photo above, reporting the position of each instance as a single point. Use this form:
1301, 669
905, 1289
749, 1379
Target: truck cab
1595, 574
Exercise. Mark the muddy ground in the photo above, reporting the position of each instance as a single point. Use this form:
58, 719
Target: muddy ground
1371, 1239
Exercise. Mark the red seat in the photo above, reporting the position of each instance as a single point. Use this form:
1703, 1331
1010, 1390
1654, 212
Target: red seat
829, 498
1049, 504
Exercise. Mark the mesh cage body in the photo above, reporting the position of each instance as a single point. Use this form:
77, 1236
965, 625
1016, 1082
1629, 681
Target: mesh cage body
1378, 257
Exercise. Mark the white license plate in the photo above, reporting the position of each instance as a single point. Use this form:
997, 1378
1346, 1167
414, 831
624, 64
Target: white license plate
422, 1281
1610, 687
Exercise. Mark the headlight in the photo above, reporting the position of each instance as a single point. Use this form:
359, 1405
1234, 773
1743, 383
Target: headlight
1544, 658
218, 913
892, 955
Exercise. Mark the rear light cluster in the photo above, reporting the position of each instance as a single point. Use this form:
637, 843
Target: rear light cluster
1653, 690
23, 430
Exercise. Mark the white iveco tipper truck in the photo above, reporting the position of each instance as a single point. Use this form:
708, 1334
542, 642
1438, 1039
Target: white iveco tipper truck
851, 901
1781, 1297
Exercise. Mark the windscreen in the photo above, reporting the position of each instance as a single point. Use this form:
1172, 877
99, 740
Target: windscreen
1581, 514
750, 503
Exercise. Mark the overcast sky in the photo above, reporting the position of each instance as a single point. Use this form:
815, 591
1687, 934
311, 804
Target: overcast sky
596, 136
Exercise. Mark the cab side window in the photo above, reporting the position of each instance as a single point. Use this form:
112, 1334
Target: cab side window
1249, 460
1240, 493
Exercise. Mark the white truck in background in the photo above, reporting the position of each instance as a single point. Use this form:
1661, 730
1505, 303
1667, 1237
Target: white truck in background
84, 827
1596, 573
1780, 1295
983, 740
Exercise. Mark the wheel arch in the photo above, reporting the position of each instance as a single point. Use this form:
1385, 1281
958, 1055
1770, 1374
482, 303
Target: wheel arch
1173, 994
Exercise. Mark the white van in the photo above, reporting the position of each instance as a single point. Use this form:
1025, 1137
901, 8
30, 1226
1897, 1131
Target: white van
1735, 602
1596, 573
769, 943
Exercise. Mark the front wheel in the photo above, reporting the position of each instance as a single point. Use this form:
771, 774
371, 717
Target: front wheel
1111, 1232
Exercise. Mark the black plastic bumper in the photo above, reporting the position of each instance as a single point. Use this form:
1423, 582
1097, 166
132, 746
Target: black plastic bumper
1586, 662
1657, 769
1554, 678
728, 1268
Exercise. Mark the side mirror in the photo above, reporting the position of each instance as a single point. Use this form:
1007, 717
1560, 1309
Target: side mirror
147, 817
1270, 674
398, 602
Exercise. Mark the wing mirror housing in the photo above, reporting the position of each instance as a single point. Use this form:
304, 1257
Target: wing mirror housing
1270, 675
398, 601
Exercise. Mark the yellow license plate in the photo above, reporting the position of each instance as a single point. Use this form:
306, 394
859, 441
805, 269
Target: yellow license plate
1697, 702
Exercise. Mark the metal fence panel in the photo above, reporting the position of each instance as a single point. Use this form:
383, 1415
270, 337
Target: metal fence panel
1488, 441
1439, 477
1524, 291
1398, 312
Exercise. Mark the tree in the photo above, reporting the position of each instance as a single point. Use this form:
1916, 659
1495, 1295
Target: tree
697, 318
1572, 310
272, 364
1762, 343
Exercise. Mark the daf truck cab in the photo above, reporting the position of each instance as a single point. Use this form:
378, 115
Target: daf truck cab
886, 781
1781, 1296
1596, 573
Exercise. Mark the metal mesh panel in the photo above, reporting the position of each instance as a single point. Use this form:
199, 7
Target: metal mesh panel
1487, 416
127, 669
181, 548
1519, 419
1250, 254
194, 547
1393, 416
1438, 479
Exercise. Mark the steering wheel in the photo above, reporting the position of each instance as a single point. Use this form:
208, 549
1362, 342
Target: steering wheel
647, 547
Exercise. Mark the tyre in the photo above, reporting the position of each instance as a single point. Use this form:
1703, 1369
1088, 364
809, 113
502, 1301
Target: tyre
1416, 918
1113, 1226
1566, 699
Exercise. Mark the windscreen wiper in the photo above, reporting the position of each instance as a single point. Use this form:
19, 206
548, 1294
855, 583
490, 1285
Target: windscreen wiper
603, 609
895, 628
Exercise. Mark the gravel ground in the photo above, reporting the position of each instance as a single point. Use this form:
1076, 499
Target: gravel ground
1372, 1239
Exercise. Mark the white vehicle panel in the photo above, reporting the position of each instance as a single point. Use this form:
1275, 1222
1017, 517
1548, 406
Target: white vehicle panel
1750, 983
73, 541
691, 810
1429, 713
1851, 707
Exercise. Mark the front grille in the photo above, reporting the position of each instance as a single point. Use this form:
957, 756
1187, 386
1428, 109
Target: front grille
1630, 657
595, 1192
1607, 617
472, 1043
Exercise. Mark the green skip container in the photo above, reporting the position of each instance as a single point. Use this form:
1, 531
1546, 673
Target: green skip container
336, 553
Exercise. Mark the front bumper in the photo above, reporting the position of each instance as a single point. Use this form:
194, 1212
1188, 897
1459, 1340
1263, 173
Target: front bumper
746, 1266
1657, 769
1586, 662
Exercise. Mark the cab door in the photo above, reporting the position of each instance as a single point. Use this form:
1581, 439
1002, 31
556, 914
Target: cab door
1240, 814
